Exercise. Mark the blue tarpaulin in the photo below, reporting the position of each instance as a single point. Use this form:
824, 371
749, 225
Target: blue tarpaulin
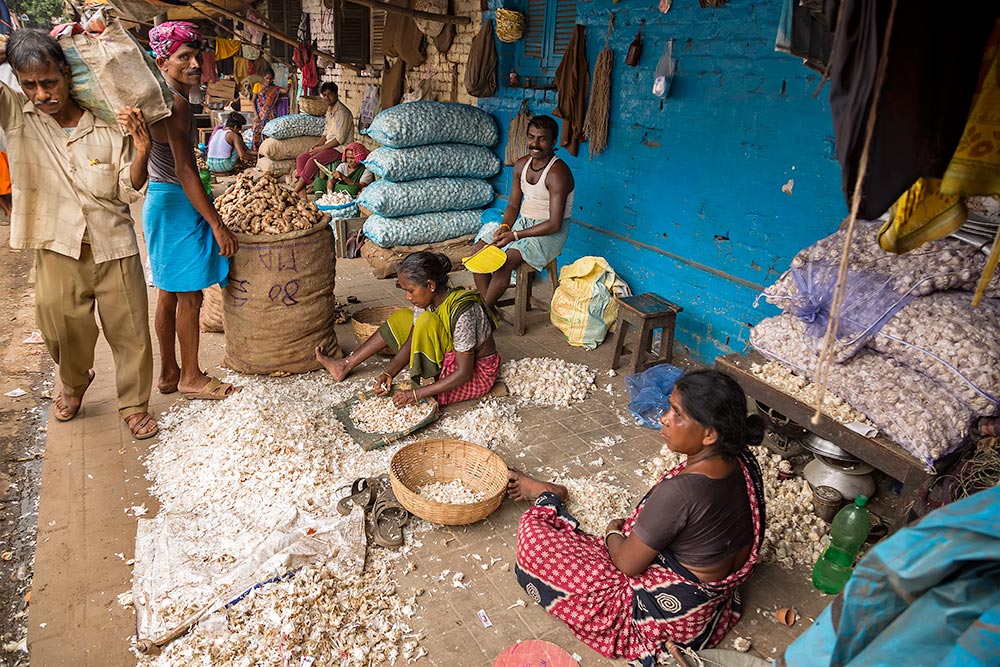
928, 595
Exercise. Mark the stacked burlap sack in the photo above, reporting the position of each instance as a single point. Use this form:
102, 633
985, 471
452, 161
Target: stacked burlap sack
433, 168
287, 137
912, 353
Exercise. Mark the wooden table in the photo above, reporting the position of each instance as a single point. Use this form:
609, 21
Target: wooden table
881, 452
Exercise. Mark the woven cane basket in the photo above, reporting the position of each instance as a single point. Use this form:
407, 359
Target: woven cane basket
430, 461
366, 321
510, 25
314, 106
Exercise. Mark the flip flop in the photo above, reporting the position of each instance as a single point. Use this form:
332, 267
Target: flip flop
56, 411
167, 389
388, 517
214, 390
362, 494
135, 426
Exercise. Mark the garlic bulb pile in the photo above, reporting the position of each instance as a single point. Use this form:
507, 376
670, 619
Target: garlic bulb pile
936, 266
798, 387
234, 469
594, 503
257, 204
335, 199
492, 423
948, 340
380, 415
912, 409
450, 493
548, 381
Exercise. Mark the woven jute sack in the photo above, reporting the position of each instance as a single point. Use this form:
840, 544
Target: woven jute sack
211, 309
279, 150
279, 304
384, 261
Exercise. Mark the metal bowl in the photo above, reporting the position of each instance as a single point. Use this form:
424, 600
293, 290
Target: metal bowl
818, 445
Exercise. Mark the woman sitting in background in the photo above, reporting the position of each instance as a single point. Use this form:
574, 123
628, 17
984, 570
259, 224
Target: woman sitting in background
671, 570
447, 336
350, 175
226, 148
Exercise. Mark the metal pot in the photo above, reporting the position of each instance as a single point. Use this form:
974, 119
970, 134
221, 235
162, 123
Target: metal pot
851, 479
818, 445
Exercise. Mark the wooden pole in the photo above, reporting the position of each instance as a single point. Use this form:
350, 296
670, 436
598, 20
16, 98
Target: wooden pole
273, 33
412, 13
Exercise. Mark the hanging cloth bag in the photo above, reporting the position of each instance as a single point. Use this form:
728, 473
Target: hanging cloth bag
517, 136
481, 71
582, 306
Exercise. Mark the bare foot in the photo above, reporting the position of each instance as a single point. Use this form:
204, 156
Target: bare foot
337, 367
524, 487
167, 382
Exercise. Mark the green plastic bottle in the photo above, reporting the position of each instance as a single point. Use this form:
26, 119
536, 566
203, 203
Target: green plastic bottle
847, 534
206, 180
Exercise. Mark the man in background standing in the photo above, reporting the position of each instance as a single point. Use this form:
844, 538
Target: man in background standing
73, 178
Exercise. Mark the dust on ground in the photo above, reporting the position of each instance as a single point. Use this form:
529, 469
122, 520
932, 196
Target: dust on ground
26, 367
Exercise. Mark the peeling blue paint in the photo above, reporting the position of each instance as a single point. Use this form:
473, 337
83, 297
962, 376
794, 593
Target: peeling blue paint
697, 177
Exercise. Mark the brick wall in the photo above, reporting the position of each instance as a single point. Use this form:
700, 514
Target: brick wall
446, 71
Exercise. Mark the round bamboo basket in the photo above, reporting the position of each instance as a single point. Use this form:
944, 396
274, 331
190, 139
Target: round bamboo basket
428, 461
366, 321
314, 106
510, 25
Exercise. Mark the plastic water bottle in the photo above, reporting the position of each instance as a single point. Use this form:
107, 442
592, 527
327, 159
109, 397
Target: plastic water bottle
847, 534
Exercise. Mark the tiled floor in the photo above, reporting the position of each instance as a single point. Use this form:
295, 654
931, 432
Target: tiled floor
93, 474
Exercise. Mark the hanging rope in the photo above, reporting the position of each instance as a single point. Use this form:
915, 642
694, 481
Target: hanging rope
826, 354
595, 125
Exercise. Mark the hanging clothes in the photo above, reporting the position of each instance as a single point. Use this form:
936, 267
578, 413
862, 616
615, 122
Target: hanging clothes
208, 71
932, 68
306, 62
572, 82
393, 84
401, 38
241, 68
226, 48
805, 30
481, 68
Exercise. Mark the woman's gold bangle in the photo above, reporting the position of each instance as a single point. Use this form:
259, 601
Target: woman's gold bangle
504, 224
414, 394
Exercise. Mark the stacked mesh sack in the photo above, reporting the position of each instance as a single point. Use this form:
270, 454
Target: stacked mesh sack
433, 167
287, 137
912, 353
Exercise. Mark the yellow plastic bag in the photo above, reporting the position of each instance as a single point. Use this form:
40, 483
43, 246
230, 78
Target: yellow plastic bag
582, 306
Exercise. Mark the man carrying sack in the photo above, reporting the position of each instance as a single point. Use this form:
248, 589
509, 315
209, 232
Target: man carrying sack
73, 178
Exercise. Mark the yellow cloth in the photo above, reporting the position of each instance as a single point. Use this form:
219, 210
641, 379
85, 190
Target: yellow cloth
241, 68
226, 48
64, 185
66, 291
932, 208
975, 167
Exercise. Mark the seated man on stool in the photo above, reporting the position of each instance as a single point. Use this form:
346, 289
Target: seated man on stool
532, 231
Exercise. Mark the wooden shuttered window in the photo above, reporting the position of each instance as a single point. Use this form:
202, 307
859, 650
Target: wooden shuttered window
285, 15
378, 30
548, 32
352, 34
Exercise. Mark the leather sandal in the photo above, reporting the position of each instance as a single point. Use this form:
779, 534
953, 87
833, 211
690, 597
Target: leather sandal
388, 517
362, 494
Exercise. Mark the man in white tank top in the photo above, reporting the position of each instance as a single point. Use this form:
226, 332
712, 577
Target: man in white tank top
534, 226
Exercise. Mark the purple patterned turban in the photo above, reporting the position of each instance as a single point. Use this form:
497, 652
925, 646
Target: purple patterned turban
167, 37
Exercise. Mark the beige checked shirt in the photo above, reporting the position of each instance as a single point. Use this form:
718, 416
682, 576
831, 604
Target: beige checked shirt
339, 125
67, 184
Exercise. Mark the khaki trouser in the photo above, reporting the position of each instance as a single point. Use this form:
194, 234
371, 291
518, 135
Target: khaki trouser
66, 291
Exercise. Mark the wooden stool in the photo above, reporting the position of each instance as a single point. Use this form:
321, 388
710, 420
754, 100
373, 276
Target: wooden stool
647, 313
522, 293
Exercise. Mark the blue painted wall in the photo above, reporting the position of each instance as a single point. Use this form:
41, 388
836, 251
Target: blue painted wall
686, 200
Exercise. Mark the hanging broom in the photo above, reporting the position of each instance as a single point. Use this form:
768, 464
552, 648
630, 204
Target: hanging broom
595, 126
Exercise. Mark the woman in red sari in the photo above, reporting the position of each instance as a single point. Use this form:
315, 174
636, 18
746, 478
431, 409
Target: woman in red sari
671, 570
265, 104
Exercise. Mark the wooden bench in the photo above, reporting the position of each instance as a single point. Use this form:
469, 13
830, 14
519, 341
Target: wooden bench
522, 300
880, 452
